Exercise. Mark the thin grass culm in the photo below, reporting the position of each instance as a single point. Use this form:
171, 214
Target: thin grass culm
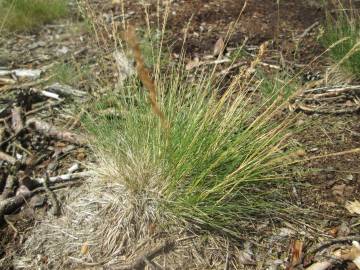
216, 165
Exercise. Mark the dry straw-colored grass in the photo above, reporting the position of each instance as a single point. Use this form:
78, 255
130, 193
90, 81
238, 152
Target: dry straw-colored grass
117, 230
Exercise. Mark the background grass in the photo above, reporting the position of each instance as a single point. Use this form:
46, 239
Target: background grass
71, 73
343, 24
273, 85
25, 15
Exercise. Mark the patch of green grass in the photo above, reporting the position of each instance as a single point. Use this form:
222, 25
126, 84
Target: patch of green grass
25, 15
217, 164
343, 25
274, 85
82, 26
237, 54
151, 51
69, 73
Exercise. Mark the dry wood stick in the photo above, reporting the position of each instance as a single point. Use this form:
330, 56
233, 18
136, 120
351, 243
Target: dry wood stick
344, 88
341, 240
24, 85
9, 205
324, 111
140, 261
65, 177
52, 131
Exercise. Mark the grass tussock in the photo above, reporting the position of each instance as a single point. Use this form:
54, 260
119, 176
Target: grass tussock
343, 24
217, 162
25, 15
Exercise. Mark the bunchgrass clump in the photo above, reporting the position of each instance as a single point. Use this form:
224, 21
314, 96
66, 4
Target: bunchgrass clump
25, 15
343, 27
216, 164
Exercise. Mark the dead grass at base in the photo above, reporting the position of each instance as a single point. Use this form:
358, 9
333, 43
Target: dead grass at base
103, 227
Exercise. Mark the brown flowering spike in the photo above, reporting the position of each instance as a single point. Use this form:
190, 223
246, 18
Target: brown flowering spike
143, 72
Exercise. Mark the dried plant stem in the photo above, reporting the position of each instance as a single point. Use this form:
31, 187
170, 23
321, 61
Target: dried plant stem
140, 262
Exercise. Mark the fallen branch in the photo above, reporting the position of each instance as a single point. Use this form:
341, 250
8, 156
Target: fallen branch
24, 85
51, 131
342, 240
320, 265
64, 90
324, 111
46, 106
345, 88
65, 177
10, 205
352, 254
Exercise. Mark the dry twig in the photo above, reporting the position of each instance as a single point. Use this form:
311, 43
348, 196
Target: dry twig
341, 240
140, 261
55, 205
51, 131
65, 177
328, 111
24, 85
10, 205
